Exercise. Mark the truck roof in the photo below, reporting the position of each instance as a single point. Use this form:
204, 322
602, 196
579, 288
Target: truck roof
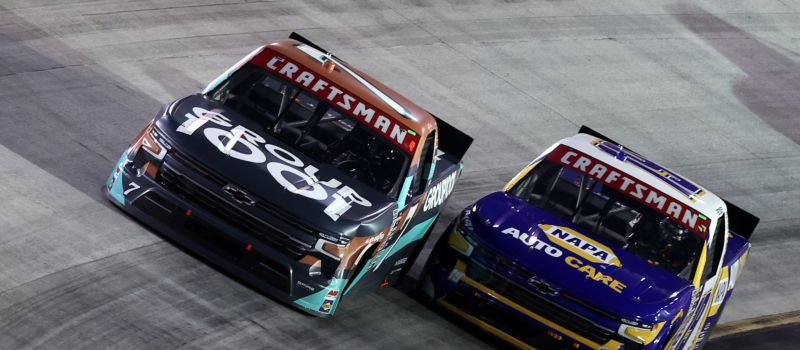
647, 172
389, 103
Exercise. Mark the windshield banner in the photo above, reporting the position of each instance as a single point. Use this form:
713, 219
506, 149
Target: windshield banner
338, 96
632, 187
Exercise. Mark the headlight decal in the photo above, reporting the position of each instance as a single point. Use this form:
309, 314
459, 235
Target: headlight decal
641, 335
154, 147
458, 241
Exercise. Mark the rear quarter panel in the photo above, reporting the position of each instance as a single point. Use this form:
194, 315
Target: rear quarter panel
732, 266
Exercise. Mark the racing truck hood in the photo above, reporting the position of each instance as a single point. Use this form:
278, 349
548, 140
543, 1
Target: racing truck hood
571, 260
267, 169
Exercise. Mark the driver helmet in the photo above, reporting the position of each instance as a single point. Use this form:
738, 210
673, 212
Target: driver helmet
671, 231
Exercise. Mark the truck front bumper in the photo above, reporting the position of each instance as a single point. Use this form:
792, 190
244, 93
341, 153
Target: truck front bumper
257, 263
448, 282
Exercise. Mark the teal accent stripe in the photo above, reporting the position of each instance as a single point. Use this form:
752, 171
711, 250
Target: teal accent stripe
213, 85
430, 174
412, 235
358, 277
401, 199
116, 186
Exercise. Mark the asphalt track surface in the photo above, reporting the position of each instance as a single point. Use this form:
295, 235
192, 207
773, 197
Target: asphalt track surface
709, 89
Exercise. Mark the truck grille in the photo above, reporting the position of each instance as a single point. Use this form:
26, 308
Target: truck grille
512, 323
232, 215
537, 303
261, 205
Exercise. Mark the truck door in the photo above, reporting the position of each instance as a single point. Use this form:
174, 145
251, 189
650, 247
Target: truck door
693, 332
410, 206
408, 228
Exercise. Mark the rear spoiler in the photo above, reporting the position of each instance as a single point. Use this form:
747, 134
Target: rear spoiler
589, 131
451, 140
740, 221
303, 40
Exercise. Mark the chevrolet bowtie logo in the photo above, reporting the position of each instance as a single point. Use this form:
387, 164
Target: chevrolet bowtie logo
542, 287
238, 195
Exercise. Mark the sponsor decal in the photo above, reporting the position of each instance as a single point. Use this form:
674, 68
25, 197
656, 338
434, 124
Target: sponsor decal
577, 243
595, 274
533, 242
574, 242
113, 177
632, 187
327, 303
312, 82
722, 289
723, 286
284, 166
683, 335
439, 192
306, 286
375, 239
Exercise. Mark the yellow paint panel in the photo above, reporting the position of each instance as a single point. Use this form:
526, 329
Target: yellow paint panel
643, 335
678, 316
698, 274
458, 242
612, 344
519, 176
485, 326
460, 266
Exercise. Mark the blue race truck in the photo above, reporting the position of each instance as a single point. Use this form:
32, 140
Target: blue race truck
592, 246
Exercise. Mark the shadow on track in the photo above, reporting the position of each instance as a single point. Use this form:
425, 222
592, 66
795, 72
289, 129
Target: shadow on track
775, 338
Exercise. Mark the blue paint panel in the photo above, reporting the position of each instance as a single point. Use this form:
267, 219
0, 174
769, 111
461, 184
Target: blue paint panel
648, 289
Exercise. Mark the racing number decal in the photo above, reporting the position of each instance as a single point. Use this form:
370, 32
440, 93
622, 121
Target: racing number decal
132, 187
285, 167
672, 179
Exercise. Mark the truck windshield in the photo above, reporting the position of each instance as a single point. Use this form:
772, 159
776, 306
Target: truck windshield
613, 216
314, 127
